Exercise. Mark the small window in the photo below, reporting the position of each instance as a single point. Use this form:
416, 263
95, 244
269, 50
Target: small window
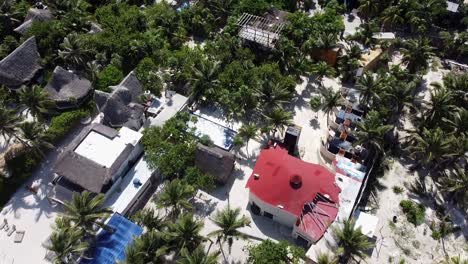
267, 214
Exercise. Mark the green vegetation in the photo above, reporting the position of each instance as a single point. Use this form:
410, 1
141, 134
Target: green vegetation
397, 189
351, 241
415, 213
275, 252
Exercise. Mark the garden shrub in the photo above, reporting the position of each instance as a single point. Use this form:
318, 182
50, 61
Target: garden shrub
111, 75
199, 180
415, 213
62, 124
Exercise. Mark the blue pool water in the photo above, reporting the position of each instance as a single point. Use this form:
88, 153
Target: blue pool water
110, 246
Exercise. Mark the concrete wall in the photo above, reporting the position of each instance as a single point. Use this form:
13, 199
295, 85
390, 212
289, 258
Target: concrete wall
279, 215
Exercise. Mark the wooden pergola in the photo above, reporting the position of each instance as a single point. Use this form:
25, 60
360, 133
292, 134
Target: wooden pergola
259, 29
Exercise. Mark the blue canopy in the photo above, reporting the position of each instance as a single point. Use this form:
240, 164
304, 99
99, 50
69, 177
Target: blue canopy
110, 246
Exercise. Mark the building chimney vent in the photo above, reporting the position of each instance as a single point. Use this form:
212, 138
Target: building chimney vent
295, 181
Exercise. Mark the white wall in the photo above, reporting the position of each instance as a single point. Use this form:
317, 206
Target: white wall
279, 215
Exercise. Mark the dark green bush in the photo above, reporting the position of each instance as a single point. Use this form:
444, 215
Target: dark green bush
63, 123
111, 75
415, 213
199, 180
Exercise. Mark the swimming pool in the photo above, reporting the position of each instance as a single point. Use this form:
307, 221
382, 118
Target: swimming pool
110, 246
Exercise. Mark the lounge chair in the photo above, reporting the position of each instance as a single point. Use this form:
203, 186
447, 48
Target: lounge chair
12, 230
19, 236
4, 224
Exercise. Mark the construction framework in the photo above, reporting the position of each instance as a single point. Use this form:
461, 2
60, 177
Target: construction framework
259, 29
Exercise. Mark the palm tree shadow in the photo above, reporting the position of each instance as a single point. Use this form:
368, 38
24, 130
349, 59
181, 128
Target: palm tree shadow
314, 123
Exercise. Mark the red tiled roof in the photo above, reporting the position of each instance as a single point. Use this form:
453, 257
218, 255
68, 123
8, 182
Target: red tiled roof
276, 169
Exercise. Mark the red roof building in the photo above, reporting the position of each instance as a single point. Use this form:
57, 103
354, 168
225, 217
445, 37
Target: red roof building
294, 192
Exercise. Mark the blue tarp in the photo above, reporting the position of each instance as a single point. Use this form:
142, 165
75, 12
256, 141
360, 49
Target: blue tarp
110, 246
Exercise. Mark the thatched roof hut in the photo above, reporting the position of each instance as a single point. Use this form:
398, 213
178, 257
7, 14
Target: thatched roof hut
21, 66
215, 161
34, 15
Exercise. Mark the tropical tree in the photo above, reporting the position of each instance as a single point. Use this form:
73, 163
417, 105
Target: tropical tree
248, 132
275, 252
351, 241
73, 51
330, 101
274, 95
148, 248
229, 221
278, 118
371, 132
149, 219
439, 105
36, 100
66, 243
86, 211
457, 84
416, 54
430, 147
198, 256
392, 17
458, 120
175, 196
185, 233
204, 79
400, 95
368, 8
455, 183
321, 70
33, 135
325, 258
9, 122
369, 87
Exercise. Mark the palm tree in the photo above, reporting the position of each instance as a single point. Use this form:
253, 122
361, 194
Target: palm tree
351, 241
457, 84
440, 105
325, 258
73, 52
198, 256
458, 120
321, 70
369, 87
229, 221
248, 132
185, 233
416, 53
86, 210
175, 196
204, 80
148, 248
34, 136
455, 182
431, 147
368, 8
278, 118
392, 17
401, 94
9, 122
371, 132
66, 243
149, 219
330, 100
274, 95
36, 100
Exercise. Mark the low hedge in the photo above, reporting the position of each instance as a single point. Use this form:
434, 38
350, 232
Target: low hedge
62, 124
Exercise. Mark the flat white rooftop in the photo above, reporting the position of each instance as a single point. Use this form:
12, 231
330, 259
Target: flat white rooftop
121, 198
168, 110
221, 136
104, 150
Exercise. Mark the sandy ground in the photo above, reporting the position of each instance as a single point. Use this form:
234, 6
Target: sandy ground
404, 240
31, 213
